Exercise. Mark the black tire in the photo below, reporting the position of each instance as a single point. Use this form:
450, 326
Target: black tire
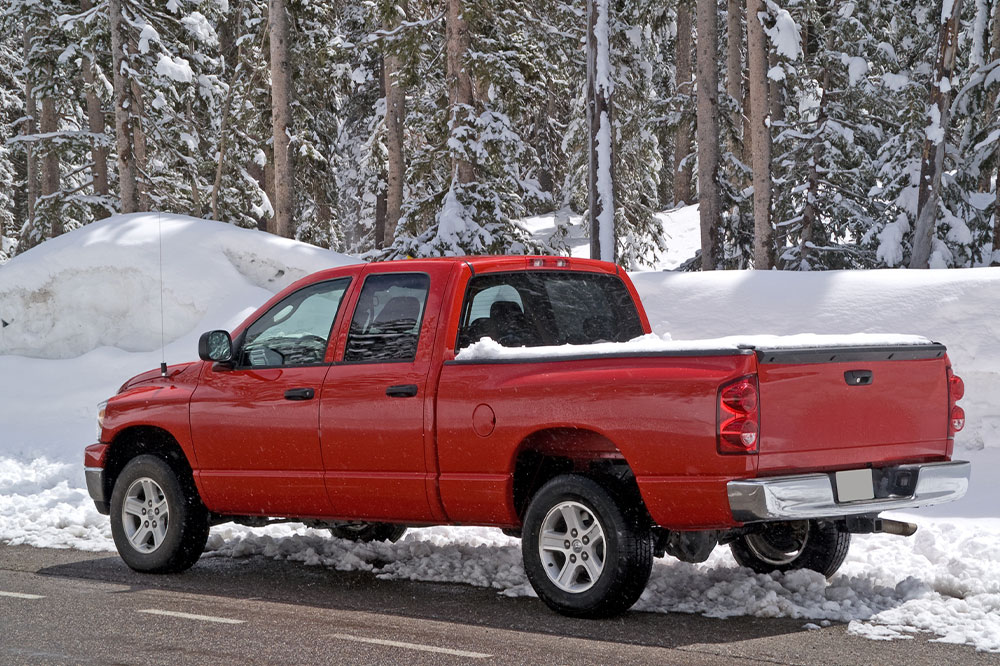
143, 541
369, 531
782, 546
624, 560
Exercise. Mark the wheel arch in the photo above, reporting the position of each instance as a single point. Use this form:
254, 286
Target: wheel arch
140, 440
550, 452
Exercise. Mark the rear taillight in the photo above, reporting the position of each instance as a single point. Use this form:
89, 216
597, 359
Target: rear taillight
957, 418
956, 415
738, 416
956, 387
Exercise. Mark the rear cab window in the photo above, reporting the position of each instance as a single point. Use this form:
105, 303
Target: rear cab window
539, 308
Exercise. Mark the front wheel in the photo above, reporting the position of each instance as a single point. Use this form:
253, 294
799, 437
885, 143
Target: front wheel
586, 552
157, 519
802, 544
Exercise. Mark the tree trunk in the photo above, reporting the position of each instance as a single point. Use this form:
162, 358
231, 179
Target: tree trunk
378, 230
50, 161
709, 198
137, 111
600, 190
267, 185
994, 55
775, 91
123, 130
734, 71
932, 160
684, 170
197, 209
281, 119
763, 236
460, 94
227, 109
395, 117
31, 112
96, 124
996, 218
809, 211
546, 150
324, 212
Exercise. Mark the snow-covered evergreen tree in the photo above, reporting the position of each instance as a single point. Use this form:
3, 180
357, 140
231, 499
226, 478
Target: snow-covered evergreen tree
11, 111
824, 149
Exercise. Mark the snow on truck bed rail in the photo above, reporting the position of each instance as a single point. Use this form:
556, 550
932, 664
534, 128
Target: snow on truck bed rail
487, 349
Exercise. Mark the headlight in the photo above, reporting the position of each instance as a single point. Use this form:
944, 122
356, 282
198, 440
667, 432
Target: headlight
100, 418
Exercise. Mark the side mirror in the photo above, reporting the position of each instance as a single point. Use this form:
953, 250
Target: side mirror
216, 346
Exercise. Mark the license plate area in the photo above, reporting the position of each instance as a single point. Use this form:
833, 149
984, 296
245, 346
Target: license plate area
854, 485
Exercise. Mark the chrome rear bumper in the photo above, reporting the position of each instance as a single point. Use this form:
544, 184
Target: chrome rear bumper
813, 495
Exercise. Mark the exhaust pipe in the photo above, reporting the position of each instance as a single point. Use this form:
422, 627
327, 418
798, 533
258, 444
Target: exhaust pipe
897, 527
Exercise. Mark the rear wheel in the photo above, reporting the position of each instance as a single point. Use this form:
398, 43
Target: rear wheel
802, 544
368, 531
157, 519
586, 552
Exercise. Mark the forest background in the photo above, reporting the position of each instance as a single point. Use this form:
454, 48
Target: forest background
813, 134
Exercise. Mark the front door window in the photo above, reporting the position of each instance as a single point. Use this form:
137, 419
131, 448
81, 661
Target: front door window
295, 332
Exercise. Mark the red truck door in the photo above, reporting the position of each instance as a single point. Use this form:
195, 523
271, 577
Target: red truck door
375, 398
255, 426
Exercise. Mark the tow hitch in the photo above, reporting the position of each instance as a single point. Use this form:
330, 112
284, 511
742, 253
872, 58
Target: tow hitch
875, 525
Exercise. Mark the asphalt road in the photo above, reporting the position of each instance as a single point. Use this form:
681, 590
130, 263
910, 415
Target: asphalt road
69, 607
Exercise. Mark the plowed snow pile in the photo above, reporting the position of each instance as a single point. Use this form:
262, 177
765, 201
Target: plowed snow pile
84, 313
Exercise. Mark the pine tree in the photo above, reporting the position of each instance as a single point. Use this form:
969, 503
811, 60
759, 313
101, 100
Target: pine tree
11, 111
474, 171
939, 111
241, 128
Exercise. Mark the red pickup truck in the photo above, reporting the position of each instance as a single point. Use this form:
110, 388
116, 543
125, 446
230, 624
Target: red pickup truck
344, 403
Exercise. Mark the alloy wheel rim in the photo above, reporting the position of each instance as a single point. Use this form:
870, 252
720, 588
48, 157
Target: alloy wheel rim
778, 549
572, 547
145, 515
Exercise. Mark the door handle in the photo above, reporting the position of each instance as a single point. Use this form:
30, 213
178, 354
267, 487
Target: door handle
402, 391
300, 394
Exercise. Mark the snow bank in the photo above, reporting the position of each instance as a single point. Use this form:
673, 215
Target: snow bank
99, 285
84, 313
955, 307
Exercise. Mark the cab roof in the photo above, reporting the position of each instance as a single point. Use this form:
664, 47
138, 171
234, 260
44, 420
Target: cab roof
493, 263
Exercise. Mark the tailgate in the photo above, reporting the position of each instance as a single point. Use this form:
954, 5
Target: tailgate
846, 407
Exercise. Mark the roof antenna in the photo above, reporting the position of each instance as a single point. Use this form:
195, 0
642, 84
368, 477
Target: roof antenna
163, 353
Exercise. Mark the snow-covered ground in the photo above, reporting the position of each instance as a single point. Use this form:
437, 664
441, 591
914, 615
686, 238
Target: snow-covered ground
84, 312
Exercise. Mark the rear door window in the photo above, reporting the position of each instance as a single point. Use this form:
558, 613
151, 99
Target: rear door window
386, 322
